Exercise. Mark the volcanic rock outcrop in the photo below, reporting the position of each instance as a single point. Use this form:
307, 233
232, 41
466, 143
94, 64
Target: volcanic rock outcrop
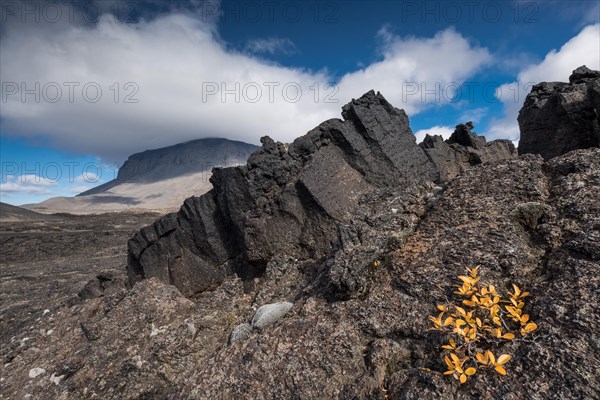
463, 150
558, 117
291, 199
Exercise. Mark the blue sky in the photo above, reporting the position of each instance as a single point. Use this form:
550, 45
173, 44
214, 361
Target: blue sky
107, 79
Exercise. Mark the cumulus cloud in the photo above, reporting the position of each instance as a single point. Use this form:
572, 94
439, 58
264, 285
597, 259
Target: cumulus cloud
556, 66
112, 88
418, 72
33, 180
29, 184
443, 131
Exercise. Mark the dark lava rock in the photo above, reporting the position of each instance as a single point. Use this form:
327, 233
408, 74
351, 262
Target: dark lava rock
362, 333
289, 200
560, 117
463, 150
286, 200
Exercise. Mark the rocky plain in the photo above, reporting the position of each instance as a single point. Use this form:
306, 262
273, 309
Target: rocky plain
311, 271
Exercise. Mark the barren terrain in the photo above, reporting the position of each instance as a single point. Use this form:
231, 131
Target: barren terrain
47, 260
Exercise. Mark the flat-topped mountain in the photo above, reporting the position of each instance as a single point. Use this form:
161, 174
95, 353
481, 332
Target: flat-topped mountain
157, 179
181, 159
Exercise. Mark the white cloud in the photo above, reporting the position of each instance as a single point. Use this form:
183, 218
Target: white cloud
444, 131
29, 184
87, 177
32, 179
271, 46
557, 65
175, 60
429, 67
474, 115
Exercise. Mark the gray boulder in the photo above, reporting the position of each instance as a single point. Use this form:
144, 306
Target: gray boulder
269, 314
560, 117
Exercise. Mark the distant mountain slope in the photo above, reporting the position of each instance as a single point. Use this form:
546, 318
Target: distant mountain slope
157, 179
9, 212
200, 155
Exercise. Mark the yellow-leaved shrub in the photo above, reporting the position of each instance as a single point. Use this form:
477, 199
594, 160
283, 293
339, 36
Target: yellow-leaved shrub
481, 320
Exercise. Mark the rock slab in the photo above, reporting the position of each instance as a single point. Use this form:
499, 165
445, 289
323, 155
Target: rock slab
559, 117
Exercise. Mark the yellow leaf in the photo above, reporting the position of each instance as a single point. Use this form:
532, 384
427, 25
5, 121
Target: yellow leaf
517, 290
455, 359
481, 358
500, 370
442, 308
470, 371
448, 372
530, 327
448, 321
491, 357
449, 363
503, 359
509, 336
463, 378
469, 303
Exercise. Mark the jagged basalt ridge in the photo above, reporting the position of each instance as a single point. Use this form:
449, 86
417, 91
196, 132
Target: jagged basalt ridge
463, 150
559, 117
290, 199
286, 200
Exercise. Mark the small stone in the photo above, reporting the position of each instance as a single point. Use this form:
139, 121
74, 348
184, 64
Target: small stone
35, 372
269, 314
192, 329
55, 379
240, 332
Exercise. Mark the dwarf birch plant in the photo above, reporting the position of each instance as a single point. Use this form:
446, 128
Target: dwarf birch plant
481, 320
